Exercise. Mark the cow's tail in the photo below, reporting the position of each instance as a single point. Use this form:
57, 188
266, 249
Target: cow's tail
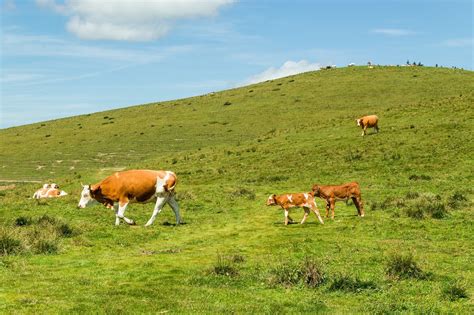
171, 188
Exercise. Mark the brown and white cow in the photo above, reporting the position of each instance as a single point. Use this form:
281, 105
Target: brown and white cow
49, 191
134, 186
332, 193
370, 121
299, 200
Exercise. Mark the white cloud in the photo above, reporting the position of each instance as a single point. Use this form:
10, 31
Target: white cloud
287, 69
459, 42
131, 20
393, 32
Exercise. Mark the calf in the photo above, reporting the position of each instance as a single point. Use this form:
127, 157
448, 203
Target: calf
339, 192
370, 121
133, 186
287, 201
49, 191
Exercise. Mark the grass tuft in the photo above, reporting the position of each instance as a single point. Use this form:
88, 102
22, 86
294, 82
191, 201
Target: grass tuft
403, 267
224, 267
9, 244
454, 291
347, 283
307, 272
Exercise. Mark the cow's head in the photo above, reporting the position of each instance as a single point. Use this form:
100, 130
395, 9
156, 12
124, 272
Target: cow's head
271, 200
358, 121
45, 186
88, 196
55, 186
316, 190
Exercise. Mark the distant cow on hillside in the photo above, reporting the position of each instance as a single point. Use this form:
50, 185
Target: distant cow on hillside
133, 186
333, 193
49, 191
301, 200
370, 121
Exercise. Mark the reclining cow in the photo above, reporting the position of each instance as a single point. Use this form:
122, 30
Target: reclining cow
339, 192
370, 121
133, 186
302, 200
49, 191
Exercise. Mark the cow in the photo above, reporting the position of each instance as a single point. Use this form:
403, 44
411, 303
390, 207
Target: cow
126, 187
370, 121
298, 200
333, 193
49, 191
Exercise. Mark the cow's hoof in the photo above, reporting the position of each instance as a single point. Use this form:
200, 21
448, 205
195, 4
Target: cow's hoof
132, 223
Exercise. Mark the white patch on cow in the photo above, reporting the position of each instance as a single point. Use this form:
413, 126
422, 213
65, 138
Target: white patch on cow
290, 198
306, 196
63, 193
358, 122
161, 182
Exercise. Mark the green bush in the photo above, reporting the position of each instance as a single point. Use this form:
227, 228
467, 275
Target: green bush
403, 267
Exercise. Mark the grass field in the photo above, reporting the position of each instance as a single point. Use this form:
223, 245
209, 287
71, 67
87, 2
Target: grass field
412, 252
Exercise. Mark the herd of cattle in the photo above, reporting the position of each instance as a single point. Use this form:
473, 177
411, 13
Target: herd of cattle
145, 186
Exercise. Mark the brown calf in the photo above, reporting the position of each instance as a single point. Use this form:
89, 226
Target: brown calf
370, 121
339, 192
303, 200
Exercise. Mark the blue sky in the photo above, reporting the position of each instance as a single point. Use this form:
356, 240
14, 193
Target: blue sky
64, 58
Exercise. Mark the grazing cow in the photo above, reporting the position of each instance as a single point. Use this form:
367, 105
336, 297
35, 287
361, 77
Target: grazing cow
287, 201
49, 191
370, 121
339, 192
133, 186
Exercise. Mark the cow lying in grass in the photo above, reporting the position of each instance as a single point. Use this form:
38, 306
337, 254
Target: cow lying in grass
302, 200
339, 192
133, 186
370, 121
49, 191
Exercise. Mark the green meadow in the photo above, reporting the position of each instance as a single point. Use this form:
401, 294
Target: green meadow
413, 252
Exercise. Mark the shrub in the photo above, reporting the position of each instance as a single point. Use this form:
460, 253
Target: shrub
456, 200
65, 230
45, 247
308, 273
22, 221
403, 267
454, 291
224, 267
348, 284
45, 219
312, 273
9, 245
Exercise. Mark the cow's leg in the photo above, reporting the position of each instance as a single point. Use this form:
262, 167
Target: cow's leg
306, 213
117, 219
377, 128
121, 211
287, 212
327, 208
290, 220
160, 202
357, 205
174, 205
332, 202
314, 207
364, 130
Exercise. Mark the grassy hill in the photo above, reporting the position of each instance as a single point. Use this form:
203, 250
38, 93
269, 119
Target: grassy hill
412, 252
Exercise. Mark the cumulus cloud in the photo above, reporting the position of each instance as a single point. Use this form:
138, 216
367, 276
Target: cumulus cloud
393, 32
287, 69
131, 20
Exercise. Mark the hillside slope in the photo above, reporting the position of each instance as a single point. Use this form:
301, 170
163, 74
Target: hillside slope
230, 150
